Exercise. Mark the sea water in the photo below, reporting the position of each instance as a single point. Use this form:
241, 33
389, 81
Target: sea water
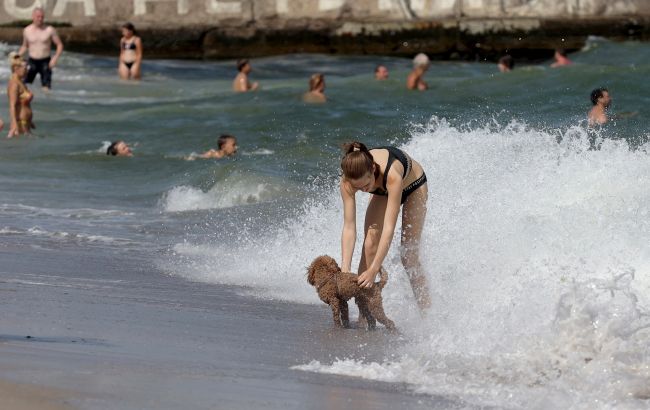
536, 238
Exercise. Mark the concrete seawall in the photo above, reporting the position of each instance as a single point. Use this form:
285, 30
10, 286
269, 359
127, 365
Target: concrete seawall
468, 29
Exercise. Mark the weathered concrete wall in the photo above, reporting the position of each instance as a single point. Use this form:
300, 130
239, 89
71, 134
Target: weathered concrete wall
174, 13
468, 29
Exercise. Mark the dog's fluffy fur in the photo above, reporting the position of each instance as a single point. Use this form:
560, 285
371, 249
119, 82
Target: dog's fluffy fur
335, 288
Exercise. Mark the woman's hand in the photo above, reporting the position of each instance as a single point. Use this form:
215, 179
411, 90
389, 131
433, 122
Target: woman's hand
367, 278
13, 130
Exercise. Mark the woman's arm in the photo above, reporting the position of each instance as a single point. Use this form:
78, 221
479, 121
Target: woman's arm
138, 50
12, 93
394, 188
349, 235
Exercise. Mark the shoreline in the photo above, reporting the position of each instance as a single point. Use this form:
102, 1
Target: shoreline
526, 39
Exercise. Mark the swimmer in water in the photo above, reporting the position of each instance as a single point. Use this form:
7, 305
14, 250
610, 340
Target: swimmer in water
561, 59
119, 148
316, 93
506, 64
381, 73
130, 65
414, 80
601, 102
395, 180
241, 84
20, 98
227, 148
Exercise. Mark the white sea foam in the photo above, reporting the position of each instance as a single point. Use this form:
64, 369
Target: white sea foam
224, 194
63, 235
78, 213
537, 256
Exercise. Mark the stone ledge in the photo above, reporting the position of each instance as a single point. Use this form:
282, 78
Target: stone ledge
469, 39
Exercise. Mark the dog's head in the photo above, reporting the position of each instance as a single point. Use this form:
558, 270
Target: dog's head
321, 267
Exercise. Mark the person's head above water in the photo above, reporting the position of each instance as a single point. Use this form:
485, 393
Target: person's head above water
119, 148
358, 166
227, 145
16, 61
128, 30
243, 65
506, 63
601, 96
317, 82
381, 72
421, 61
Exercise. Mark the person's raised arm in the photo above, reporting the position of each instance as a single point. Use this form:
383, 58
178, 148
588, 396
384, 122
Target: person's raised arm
349, 234
394, 188
59, 48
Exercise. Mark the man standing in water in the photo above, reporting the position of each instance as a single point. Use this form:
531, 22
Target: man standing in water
38, 38
601, 102
241, 84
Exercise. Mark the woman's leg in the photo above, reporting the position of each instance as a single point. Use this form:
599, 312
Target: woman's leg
373, 226
123, 70
414, 212
136, 71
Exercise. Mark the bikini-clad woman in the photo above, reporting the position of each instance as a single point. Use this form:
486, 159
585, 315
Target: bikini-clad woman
20, 98
395, 180
130, 54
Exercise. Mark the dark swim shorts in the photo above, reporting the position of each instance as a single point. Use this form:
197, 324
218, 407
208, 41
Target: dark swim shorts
42, 67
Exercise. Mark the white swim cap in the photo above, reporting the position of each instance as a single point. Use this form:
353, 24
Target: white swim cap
420, 60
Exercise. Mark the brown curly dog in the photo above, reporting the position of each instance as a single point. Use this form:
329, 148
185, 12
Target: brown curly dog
335, 288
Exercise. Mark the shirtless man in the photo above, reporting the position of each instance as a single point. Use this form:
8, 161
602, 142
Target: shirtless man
241, 83
414, 80
601, 102
38, 38
561, 59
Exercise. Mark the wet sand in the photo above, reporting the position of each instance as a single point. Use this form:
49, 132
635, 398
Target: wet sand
121, 334
17, 396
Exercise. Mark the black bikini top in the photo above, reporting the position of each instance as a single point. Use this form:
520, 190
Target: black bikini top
393, 154
128, 46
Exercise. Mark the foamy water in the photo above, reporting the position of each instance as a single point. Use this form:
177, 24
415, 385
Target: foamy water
537, 256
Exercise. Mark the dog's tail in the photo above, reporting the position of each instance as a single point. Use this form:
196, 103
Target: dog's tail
383, 278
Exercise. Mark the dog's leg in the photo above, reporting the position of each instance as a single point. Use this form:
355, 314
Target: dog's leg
336, 311
364, 312
377, 310
345, 315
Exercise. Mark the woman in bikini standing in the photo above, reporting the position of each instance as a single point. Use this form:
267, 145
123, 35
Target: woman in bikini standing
395, 180
130, 54
20, 98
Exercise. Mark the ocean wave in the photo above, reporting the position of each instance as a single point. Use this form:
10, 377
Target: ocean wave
63, 236
225, 194
531, 246
79, 213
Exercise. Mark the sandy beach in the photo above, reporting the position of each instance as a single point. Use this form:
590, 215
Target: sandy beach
160, 342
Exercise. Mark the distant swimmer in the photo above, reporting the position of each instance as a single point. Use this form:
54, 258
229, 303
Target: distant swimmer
506, 63
130, 64
241, 84
561, 58
601, 102
316, 93
20, 98
38, 38
381, 73
119, 148
414, 80
227, 148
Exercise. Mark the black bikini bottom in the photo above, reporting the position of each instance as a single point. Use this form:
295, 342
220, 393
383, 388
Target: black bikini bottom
413, 186
129, 65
